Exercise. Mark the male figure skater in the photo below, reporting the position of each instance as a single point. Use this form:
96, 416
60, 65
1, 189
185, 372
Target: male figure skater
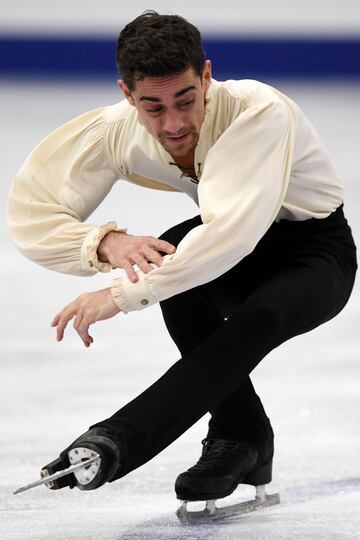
270, 255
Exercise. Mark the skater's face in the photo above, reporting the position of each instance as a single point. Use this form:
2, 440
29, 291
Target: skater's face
172, 108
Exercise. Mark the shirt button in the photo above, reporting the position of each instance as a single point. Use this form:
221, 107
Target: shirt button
144, 301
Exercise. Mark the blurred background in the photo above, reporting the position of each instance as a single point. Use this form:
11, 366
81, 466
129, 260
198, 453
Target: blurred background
247, 39
57, 60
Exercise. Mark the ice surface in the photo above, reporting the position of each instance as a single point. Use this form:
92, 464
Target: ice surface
50, 392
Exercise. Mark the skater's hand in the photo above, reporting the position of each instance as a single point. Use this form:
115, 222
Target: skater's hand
87, 309
124, 250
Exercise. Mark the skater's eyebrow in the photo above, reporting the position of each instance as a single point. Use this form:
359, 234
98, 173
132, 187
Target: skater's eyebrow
178, 94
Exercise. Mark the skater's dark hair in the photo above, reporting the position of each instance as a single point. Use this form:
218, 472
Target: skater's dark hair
155, 45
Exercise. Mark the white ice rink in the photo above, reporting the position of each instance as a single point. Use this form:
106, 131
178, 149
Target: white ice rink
51, 392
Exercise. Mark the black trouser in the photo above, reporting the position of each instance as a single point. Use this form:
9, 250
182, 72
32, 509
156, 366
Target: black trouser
299, 276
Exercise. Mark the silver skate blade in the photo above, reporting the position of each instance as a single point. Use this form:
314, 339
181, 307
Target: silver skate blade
211, 512
59, 474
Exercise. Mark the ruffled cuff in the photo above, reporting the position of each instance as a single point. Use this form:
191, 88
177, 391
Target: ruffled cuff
130, 296
89, 258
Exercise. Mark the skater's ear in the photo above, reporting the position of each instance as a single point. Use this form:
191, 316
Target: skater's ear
125, 90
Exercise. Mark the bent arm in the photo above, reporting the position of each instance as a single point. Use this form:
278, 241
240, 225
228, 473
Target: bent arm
243, 185
60, 184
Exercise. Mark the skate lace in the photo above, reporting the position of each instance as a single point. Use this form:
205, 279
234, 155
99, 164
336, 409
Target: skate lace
214, 451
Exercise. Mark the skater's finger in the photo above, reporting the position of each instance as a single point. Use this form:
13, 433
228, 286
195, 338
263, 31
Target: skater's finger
55, 320
127, 266
77, 325
142, 263
153, 256
60, 329
83, 331
163, 246
65, 317
81, 325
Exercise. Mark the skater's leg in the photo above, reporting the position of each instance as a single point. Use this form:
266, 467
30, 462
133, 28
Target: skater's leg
189, 317
312, 284
311, 289
241, 417
192, 316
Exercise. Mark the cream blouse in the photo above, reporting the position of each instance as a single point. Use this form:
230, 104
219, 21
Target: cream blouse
259, 159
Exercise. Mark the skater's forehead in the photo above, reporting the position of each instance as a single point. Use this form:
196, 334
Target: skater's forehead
174, 86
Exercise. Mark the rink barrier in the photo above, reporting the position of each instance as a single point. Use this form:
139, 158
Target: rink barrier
239, 57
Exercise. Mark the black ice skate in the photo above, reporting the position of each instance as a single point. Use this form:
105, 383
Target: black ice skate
224, 465
90, 461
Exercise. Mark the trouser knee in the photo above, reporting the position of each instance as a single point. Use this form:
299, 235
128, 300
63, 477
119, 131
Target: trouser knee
175, 234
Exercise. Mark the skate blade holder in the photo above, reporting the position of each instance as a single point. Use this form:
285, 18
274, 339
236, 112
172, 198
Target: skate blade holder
212, 512
44, 473
85, 464
83, 475
86, 474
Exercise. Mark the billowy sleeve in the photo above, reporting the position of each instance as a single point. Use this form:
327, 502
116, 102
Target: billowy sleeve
242, 187
60, 184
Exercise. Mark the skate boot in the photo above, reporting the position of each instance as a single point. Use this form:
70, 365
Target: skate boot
101, 448
223, 465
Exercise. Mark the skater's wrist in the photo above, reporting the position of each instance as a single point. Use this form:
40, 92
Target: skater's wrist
89, 251
106, 246
130, 296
